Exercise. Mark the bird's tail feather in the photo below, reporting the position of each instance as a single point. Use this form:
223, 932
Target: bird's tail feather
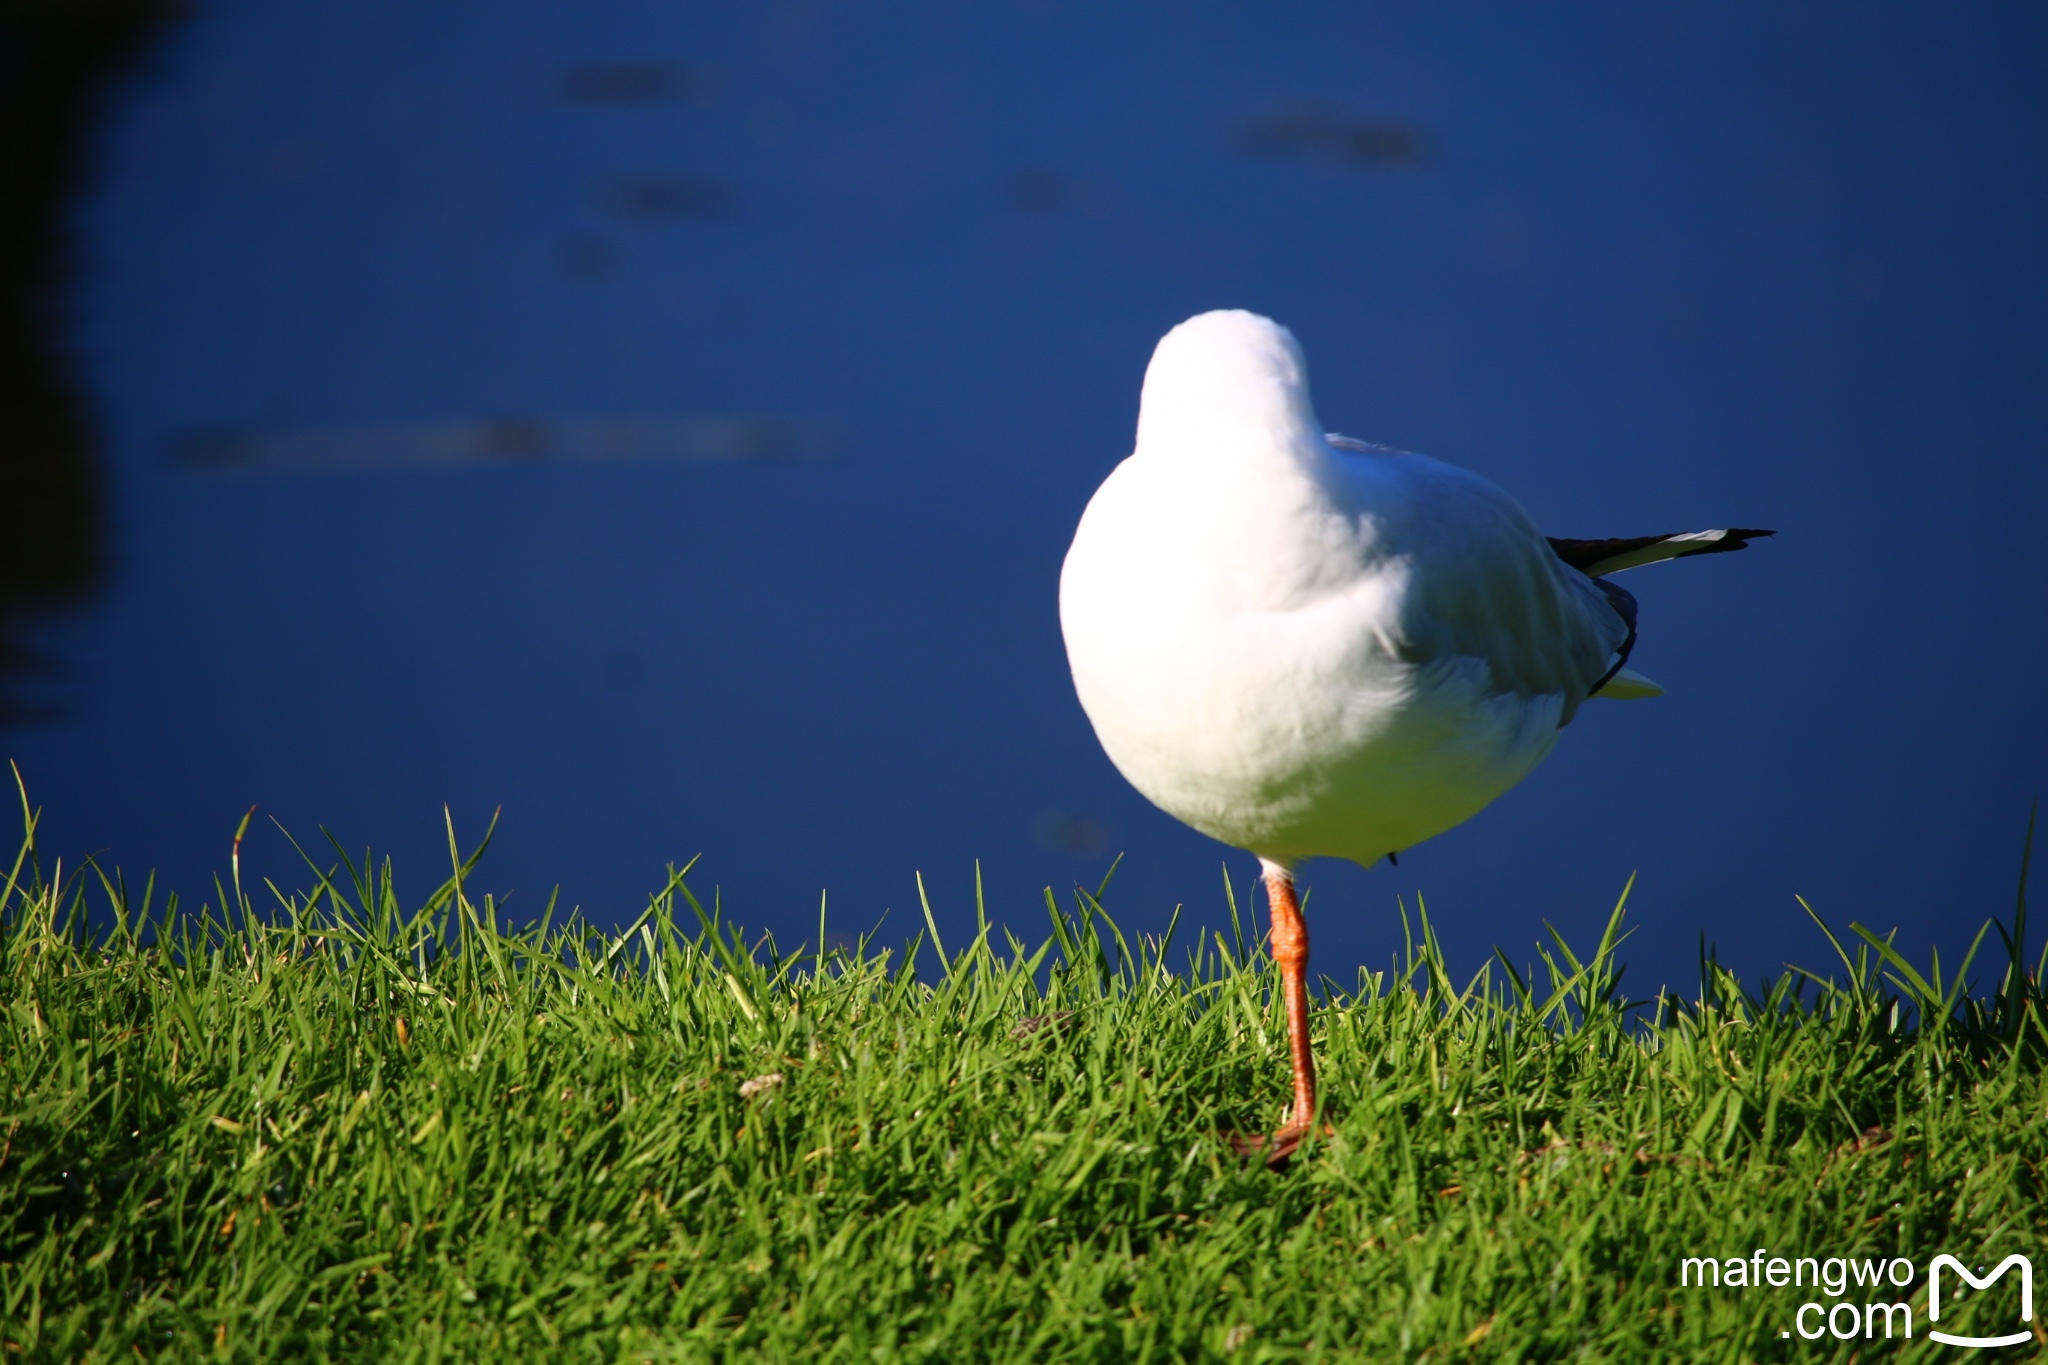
1625, 684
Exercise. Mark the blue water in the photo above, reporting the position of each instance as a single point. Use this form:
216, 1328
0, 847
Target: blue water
1651, 270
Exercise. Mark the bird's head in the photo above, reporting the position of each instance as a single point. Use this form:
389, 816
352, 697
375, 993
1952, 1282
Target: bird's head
1227, 380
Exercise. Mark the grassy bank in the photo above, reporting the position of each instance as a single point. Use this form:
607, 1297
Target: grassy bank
340, 1125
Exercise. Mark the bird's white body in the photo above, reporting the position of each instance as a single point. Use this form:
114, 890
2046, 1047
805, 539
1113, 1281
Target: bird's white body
1303, 645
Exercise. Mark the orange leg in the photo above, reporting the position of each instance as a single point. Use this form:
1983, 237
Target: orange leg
1289, 943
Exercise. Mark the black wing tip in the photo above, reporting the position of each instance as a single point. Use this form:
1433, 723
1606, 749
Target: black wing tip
1587, 554
1734, 538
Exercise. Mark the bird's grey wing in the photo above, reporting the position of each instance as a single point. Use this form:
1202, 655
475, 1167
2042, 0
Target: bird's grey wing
1485, 584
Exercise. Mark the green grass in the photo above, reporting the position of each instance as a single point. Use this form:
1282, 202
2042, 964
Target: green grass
327, 1127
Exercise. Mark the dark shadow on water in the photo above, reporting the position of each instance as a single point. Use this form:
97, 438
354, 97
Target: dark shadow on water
1315, 131
61, 61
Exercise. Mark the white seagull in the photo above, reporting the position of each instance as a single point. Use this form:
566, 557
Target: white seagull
1310, 646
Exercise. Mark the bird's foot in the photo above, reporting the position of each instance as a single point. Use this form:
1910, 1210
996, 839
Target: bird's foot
1278, 1147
